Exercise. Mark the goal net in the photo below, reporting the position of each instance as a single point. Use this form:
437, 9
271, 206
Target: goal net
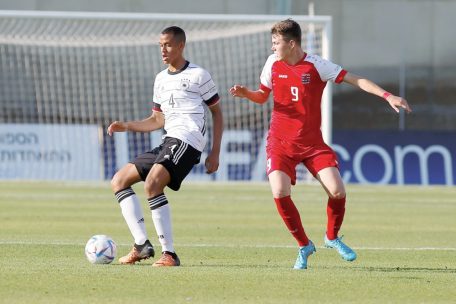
65, 76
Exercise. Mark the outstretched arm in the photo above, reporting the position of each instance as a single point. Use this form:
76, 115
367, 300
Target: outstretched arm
367, 85
212, 160
259, 96
153, 122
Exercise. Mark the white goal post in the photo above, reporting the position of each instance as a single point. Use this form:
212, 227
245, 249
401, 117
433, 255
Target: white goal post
87, 69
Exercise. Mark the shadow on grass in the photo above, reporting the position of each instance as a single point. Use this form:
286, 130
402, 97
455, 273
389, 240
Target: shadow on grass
406, 269
238, 266
275, 266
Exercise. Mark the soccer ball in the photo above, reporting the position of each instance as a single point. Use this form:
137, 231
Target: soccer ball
100, 249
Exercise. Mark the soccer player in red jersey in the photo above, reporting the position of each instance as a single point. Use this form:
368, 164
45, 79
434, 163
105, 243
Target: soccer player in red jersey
297, 81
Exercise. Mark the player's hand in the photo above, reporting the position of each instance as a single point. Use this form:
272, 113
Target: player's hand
238, 91
397, 102
117, 126
211, 163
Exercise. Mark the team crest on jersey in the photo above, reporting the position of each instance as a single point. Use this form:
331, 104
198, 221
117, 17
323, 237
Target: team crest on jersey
305, 78
184, 84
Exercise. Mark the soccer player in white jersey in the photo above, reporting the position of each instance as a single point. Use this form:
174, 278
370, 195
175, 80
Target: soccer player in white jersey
297, 81
179, 94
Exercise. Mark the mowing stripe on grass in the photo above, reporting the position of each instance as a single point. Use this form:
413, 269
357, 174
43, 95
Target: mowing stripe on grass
31, 243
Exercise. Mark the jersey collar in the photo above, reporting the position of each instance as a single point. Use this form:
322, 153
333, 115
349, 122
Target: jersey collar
299, 62
181, 70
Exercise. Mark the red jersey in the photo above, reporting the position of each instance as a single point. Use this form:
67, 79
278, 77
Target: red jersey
297, 91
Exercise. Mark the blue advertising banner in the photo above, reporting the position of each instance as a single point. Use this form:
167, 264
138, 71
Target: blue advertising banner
50, 152
397, 157
369, 157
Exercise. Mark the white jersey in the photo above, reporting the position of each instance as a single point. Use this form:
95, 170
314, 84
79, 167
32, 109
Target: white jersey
180, 97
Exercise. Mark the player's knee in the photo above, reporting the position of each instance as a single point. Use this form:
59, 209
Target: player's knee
118, 183
115, 183
153, 186
279, 193
337, 194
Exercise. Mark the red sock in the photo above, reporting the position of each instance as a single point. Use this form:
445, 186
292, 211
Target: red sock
335, 211
290, 216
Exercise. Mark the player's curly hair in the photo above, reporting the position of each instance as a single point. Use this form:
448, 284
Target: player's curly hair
288, 29
177, 32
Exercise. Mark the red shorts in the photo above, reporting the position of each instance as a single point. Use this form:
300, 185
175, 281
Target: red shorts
285, 156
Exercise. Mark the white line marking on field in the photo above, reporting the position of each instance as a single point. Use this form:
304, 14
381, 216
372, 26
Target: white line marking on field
31, 243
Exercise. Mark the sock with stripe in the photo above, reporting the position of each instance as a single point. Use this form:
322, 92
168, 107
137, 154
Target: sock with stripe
132, 213
161, 215
335, 211
292, 219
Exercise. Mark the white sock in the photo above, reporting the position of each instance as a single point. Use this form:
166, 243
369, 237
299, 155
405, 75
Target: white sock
161, 215
133, 215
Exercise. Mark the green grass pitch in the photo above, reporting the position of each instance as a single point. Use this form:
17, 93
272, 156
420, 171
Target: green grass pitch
233, 246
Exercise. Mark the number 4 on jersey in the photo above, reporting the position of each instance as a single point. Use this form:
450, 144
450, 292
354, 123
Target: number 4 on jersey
171, 101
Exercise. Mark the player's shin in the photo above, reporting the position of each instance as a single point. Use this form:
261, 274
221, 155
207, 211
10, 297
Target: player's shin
292, 219
161, 215
132, 213
335, 211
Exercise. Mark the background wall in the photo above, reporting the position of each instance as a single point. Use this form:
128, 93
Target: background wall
408, 46
366, 33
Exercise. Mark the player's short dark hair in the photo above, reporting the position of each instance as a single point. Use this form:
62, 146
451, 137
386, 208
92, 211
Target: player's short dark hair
288, 29
177, 32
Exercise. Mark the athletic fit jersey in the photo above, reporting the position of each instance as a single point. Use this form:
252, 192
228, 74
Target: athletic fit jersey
297, 92
180, 96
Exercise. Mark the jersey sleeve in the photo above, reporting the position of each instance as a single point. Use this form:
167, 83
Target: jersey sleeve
213, 100
156, 97
208, 89
156, 107
266, 74
327, 70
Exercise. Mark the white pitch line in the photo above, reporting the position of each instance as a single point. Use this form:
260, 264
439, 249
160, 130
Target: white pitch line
31, 243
